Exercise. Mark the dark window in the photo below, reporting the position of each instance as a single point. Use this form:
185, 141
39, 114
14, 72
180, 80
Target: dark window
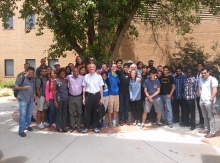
51, 63
31, 62
30, 21
9, 23
9, 67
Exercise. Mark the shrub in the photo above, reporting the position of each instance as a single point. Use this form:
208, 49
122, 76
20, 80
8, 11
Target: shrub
7, 84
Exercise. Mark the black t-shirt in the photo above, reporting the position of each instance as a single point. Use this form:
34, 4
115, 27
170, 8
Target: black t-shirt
124, 80
166, 84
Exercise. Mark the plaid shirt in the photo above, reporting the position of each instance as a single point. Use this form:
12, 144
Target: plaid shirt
178, 93
190, 88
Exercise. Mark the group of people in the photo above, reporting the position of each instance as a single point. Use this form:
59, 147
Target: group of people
162, 95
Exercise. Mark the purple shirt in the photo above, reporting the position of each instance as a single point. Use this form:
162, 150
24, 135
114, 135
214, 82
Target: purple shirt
75, 84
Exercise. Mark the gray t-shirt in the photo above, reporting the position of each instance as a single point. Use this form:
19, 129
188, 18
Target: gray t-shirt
41, 85
25, 95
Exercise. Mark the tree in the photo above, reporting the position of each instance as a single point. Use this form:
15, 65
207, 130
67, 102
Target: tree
190, 54
97, 27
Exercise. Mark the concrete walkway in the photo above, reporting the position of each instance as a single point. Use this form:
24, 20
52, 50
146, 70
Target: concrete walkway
154, 145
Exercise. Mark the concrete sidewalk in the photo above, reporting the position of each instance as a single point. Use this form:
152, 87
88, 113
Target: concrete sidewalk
161, 145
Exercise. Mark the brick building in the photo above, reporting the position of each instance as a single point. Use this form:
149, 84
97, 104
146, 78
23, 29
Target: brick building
16, 47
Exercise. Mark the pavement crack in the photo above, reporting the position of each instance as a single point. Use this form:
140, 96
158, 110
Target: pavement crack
64, 149
155, 148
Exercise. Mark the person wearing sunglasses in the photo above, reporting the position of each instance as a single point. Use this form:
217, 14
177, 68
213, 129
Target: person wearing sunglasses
91, 61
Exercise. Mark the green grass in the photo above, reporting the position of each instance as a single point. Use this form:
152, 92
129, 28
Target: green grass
7, 84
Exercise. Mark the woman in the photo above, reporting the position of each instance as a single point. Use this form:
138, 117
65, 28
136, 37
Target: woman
133, 67
49, 70
82, 71
68, 70
139, 66
60, 92
79, 62
50, 98
135, 97
105, 94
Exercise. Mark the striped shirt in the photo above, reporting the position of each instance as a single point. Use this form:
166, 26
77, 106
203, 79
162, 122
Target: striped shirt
190, 88
178, 93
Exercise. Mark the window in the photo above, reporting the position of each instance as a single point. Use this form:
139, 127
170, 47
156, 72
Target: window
31, 62
51, 63
30, 21
9, 67
9, 23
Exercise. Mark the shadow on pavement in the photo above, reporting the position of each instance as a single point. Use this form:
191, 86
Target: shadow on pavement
210, 159
17, 159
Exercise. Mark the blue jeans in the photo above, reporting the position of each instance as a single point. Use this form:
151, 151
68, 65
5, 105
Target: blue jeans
164, 100
123, 107
52, 110
26, 111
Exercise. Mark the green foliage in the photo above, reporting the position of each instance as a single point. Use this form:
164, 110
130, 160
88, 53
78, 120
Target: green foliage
7, 84
190, 54
96, 27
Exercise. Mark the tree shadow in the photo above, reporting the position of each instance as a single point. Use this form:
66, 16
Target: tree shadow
210, 159
17, 159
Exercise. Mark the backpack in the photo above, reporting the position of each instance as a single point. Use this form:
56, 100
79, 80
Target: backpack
16, 91
41, 83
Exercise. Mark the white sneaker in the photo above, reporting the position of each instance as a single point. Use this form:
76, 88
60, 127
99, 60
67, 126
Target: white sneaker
46, 124
114, 122
135, 123
139, 124
41, 126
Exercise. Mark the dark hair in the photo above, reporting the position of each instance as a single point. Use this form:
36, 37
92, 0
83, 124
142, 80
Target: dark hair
135, 73
49, 67
144, 66
31, 68
126, 64
70, 70
119, 60
27, 64
152, 72
200, 63
204, 68
139, 62
179, 68
43, 59
83, 67
114, 64
104, 73
166, 67
159, 66
44, 68
77, 64
70, 63
159, 71
61, 70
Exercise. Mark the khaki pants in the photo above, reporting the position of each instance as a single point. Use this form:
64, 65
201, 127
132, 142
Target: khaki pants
113, 104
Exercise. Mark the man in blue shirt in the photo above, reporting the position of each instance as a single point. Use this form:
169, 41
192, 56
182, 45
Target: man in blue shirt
113, 104
26, 90
178, 100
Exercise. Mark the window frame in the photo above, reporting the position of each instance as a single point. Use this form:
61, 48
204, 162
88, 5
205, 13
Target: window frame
8, 22
5, 72
28, 20
26, 61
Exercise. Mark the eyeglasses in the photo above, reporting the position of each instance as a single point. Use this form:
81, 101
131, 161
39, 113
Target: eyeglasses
91, 60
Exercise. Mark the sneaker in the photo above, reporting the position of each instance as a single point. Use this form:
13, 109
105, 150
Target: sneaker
171, 126
79, 129
71, 130
127, 122
139, 124
53, 125
159, 124
22, 134
142, 126
46, 124
41, 126
121, 123
103, 125
200, 125
114, 122
29, 129
135, 123
85, 130
96, 130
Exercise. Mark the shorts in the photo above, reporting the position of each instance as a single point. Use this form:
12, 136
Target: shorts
155, 103
113, 103
41, 103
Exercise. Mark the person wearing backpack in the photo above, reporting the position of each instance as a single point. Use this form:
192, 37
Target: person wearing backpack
40, 92
208, 90
25, 88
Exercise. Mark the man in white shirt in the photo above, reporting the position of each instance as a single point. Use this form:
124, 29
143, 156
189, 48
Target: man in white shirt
92, 97
208, 90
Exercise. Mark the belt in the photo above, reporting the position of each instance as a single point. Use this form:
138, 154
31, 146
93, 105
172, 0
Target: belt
88, 93
76, 95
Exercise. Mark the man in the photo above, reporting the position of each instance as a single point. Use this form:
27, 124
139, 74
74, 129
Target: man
208, 90
104, 67
124, 96
151, 65
113, 104
178, 100
166, 91
42, 65
159, 68
189, 95
57, 67
92, 97
119, 64
91, 61
173, 71
152, 90
71, 66
26, 90
75, 99
26, 66
198, 78
41, 100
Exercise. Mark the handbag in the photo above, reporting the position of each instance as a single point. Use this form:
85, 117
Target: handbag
215, 106
101, 111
